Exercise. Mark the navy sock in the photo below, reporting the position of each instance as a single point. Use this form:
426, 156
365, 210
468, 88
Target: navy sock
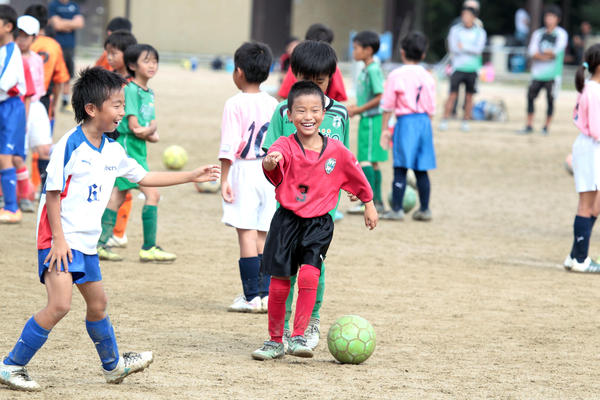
8, 180
582, 230
103, 336
42, 165
398, 187
249, 271
424, 188
31, 340
264, 280
572, 254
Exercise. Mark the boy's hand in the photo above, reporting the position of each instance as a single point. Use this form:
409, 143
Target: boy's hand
352, 197
153, 137
386, 136
59, 253
352, 110
270, 161
371, 216
227, 192
207, 173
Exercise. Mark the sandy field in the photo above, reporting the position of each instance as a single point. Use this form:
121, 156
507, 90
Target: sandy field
473, 305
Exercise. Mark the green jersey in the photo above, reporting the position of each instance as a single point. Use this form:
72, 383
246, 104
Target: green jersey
369, 85
138, 102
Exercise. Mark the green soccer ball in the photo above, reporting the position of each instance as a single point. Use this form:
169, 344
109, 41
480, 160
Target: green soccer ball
351, 339
408, 202
174, 157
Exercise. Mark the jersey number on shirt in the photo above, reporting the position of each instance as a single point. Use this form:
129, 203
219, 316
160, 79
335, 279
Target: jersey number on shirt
302, 190
93, 192
257, 143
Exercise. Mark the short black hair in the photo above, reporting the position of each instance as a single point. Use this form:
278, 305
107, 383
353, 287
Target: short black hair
133, 53
553, 9
39, 12
320, 33
312, 59
120, 40
94, 85
367, 39
304, 88
119, 24
414, 46
254, 58
8, 15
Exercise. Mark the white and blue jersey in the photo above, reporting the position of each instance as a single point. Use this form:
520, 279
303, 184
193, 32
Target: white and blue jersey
85, 176
12, 109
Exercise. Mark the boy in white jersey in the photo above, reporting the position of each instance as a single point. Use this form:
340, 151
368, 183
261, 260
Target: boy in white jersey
81, 173
248, 199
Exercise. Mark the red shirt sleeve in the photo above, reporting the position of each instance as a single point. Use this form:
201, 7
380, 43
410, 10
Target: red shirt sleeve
286, 85
276, 175
29, 85
355, 180
336, 89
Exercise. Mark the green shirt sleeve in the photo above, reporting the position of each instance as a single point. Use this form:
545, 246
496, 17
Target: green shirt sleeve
275, 129
376, 79
346, 140
132, 101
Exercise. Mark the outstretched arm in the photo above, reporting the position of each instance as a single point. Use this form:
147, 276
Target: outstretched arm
169, 178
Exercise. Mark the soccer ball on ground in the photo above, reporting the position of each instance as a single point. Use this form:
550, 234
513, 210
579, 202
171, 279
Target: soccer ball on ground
208, 187
408, 202
351, 339
174, 157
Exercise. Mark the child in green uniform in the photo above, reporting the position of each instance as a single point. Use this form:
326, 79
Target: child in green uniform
316, 62
368, 96
137, 128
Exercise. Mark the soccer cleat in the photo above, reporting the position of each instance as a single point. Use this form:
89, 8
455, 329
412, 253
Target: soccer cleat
380, 207
157, 254
464, 126
443, 126
240, 304
297, 347
568, 263
393, 215
9, 217
545, 131
269, 351
26, 205
357, 209
312, 333
526, 131
16, 377
264, 304
587, 266
106, 253
286, 338
129, 363
115, 241
422, 215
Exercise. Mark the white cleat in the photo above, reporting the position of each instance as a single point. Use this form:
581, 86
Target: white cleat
17, 378
129, 363
313, 333
241, 305
587, 266
115, 241
568, 263
264, 304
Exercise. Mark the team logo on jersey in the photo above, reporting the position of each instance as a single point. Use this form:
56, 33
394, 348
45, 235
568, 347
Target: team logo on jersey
329, 165
337, 121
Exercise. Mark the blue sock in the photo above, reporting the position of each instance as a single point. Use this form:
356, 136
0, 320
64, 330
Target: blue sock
31, 340
8, 178
264, 280
424, 188
398, 188
249, 271
582, 230
572, 254
103, 336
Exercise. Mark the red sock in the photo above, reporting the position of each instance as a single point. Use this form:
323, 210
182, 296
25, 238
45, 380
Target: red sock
22, 183
278, 293
308, 280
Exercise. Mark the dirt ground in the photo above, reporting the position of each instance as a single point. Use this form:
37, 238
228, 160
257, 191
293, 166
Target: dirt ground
471, 305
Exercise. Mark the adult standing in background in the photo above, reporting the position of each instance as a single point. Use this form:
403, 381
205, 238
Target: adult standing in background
522, 21
66, 18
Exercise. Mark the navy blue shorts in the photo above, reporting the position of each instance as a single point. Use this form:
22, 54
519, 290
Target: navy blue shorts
413, 143
84, 267
12, 127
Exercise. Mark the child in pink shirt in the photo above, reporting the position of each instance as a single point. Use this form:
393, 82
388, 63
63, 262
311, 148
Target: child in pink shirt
586, 162
248, 199
409, 92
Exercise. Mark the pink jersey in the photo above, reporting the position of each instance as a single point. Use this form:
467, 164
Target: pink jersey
246, 118
587, 111
308, 183
36, 67
409, 89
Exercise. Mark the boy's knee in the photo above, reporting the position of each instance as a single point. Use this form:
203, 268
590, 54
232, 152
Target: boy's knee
308, 277
60, 310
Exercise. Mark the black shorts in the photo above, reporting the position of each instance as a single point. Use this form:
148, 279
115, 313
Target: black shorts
468, 78
293, 241
69, 56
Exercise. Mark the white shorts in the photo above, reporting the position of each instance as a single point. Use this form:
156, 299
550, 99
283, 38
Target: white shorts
38, 126
586, 164
254, 197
